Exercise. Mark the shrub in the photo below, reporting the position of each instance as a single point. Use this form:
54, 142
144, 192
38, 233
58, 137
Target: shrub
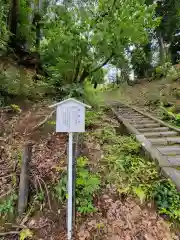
7, 206
167, 198
18, 82
92, 96
162, 71
87, 184
173, 74
166, 114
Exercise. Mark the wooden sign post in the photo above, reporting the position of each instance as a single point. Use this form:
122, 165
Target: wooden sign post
70, 118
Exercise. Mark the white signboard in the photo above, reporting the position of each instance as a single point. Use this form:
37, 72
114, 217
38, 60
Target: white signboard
70, 117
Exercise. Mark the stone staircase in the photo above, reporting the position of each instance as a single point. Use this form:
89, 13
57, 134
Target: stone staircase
160, 140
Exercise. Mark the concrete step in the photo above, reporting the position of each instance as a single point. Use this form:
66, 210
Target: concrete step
131, 115
174, 160
150, 125
169, 150
159, 129
164, 141
146, 121
160, 134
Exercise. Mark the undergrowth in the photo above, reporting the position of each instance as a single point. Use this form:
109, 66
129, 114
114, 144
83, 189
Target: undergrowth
171, 117
7, 206
87, 184
135, 175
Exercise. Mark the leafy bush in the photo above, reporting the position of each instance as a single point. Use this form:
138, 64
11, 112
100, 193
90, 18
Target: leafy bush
92, 96
162, 71
17, 82
91, 118
166, 114
7, 206
87, 184
173, 74
167, 198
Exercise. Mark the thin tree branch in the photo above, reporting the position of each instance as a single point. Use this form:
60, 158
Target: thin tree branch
102, 64
77, 70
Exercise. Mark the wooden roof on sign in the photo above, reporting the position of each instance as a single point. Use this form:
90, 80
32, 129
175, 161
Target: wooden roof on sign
68, 100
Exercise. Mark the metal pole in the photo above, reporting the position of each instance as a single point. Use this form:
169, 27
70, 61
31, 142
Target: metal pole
70, 187
75, 156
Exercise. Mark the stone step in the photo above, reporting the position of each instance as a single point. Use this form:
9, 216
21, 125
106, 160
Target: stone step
170, 150
160, 134
159, 129
150, 125
131, 115
174, 160
146, 121
164, 141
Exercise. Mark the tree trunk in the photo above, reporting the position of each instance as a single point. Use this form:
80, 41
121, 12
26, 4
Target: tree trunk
83, 76
36, 21
13, 22
95, 85
161, 49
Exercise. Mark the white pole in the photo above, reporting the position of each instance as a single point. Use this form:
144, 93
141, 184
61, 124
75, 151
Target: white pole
70, 187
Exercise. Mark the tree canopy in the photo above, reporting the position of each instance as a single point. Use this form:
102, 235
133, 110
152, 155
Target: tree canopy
74, 40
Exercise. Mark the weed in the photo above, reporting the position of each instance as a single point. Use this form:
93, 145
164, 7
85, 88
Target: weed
40, 196
7, 206
91, 118
16, 108
61, 189
51, 122
173, 118
167, 198
25, 233
87, 184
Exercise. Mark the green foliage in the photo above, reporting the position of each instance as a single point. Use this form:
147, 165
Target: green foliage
25, 233
173, 74
162, 71
16, 108
7, 206
17, 82
61, 189
140, 193
167, 198
141, 61
92, 96
4, 33
40, 196
173, 118
78, 42
87, 185
92, 118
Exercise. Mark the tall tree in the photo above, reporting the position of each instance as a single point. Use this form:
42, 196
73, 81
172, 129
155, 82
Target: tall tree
13, 22
169, 11
81, 39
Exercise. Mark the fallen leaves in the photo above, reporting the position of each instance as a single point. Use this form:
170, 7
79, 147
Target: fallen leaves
125, 221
